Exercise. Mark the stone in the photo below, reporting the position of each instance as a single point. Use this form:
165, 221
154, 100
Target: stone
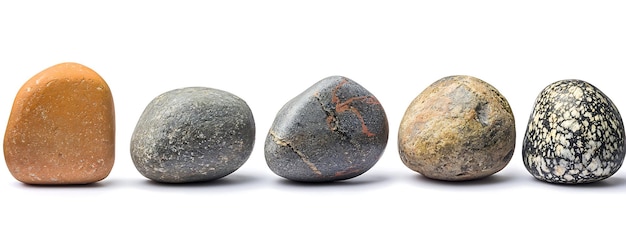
334, 130
459, 128
192, 134
575, 134
61, 129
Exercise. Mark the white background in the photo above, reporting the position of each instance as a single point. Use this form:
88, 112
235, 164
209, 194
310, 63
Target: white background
266, 52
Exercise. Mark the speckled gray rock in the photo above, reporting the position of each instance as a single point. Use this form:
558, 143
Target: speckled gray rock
575, 134
459, 128
192, 134
335, 130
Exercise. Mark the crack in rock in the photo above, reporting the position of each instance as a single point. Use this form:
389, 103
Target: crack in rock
331, 116
282, 142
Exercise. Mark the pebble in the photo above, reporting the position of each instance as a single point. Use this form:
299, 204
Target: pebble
459, 128
192, 134
575, 134
61, 129
334, 130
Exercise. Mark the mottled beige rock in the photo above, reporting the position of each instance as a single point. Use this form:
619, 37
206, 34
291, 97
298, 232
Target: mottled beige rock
62, 128
459, 128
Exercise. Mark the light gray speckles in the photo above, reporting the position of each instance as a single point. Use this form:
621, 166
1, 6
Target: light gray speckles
192, 134
575, 134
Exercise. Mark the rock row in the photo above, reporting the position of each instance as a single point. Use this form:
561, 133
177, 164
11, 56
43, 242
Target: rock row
61, 130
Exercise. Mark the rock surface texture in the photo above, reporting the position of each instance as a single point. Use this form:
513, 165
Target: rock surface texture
62, 128
575, 134
335, 130
459, 128
191, 135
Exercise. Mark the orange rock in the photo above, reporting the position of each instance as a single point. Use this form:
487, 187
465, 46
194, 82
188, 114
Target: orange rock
62, 128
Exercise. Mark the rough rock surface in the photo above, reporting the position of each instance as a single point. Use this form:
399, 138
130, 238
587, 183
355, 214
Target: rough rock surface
575, 134
334, 130
459, 128
192, 134
62, 128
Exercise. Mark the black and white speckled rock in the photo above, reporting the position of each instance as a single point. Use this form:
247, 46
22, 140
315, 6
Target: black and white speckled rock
575, 135
192, 134
335, 130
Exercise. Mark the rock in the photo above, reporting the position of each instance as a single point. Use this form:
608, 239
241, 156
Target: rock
575, 134
62, 128
192, 134
335, 130
459, 128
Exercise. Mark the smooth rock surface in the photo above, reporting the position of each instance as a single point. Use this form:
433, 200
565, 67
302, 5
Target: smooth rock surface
62, 128
459, 128
575, 134
335, 130
192, 134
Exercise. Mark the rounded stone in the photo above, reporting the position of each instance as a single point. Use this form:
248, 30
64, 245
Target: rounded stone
459, 128
575, 134
61, 129
192, 134
334, 130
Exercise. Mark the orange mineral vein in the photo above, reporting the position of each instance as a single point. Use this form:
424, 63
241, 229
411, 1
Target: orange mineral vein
346, 106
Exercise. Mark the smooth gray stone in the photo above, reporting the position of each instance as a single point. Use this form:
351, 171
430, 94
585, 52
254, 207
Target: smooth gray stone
575, 134
192, 134
334, 130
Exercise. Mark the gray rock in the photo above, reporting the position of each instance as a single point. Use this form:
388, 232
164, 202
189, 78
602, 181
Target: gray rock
192, 134
459, 128
335, 130
575, 134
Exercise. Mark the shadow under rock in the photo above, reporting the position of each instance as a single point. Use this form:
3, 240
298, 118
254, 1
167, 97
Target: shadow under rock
485, 181
611, 182
100, 184
356, 181
230, 180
